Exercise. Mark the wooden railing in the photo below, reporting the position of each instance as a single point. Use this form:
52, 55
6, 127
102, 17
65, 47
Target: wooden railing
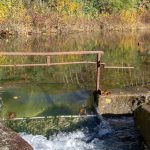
48, 62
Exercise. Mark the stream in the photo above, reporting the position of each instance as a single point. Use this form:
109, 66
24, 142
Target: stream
92, 136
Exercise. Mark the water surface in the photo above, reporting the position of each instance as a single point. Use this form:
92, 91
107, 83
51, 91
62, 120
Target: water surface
64, 90
35, 91
123, 137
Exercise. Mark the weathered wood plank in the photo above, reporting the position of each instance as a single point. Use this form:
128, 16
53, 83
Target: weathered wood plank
49, 53
47, 64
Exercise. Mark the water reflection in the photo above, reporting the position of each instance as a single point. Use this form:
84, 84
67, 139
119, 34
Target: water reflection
121, 49
40, 100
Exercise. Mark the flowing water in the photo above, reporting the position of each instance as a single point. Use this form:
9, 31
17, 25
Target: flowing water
65, 90
92, 136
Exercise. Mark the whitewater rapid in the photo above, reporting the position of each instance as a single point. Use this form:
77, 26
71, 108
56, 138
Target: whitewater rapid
121, 134
61, 141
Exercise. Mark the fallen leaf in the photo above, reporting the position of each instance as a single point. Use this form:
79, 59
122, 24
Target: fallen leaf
11, 115
108, 101
106, 92
82, 111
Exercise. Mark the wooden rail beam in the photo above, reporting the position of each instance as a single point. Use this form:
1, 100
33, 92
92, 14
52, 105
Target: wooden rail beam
49, 53
47, 64
118, 67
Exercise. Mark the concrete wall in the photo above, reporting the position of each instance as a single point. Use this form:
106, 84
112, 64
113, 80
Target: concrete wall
137, 104
142, 121
119, 104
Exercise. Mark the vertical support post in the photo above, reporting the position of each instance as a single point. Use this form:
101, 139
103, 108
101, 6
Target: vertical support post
48, 60
97, 92
98, 72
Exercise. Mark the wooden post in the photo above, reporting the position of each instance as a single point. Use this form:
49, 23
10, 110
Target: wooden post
97, 92
98, 72
48, 60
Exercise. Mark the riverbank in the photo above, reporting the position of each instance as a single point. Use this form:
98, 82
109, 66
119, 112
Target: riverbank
70, 24
59, 17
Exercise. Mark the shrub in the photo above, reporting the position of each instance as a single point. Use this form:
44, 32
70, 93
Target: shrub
129, 17
4, 10
12, 9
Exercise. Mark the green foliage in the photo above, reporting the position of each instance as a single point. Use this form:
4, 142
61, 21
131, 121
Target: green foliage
90, 9
115, 5
13, 9
46, 16
16, 8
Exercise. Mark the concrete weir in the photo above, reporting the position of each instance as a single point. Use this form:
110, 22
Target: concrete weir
122, 103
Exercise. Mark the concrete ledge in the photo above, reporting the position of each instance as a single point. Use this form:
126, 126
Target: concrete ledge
10, 140
129, 103
142, 121
115, 104
121, 103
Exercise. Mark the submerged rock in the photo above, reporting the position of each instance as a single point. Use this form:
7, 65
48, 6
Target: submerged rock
9, 140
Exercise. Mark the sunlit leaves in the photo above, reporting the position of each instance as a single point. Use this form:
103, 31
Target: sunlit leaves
129, 16
13, 9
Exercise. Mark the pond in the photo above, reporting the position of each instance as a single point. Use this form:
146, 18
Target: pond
64, 90
46, 89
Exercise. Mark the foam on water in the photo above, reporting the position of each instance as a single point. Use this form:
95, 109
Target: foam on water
112, 134
61, 141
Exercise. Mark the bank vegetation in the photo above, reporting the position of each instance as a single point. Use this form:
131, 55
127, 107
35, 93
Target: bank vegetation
26, 17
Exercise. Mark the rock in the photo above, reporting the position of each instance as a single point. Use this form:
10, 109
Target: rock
9, 140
